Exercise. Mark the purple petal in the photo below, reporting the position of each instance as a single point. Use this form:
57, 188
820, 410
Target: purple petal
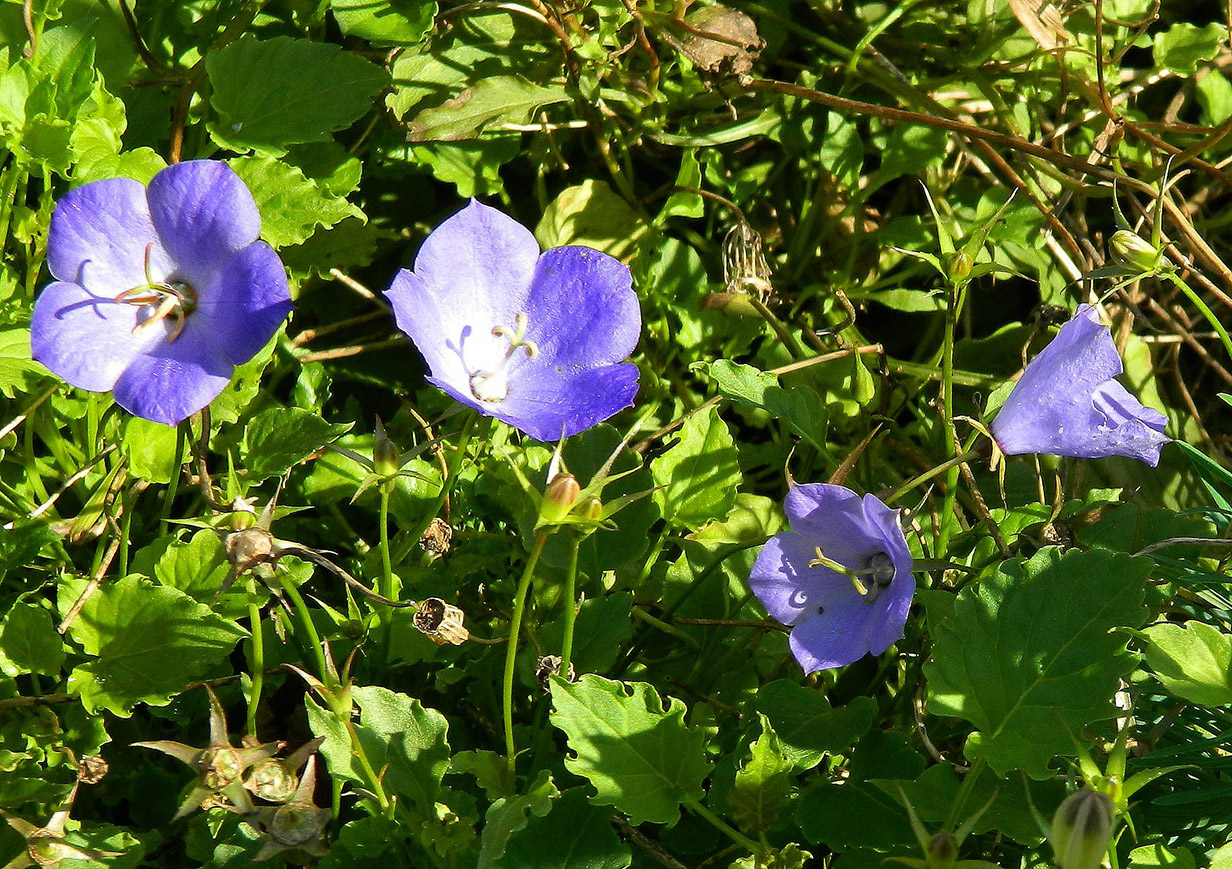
582, 309
86, 340
99, 236
1067, 404
204, 214
791, 590
172, 381
836, 638
886, 628
548, 406
246, 302
472, 273
833, 518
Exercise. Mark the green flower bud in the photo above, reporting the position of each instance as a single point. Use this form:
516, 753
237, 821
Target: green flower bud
384, 454
958, 265
591, 509
942, 850
1132, 251
558, 500
1081, 830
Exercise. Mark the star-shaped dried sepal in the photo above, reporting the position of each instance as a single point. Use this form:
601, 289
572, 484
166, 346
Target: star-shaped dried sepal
46, 846
219, 766
299, 825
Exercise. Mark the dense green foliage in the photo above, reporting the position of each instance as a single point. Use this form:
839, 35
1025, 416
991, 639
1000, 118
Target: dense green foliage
814, 199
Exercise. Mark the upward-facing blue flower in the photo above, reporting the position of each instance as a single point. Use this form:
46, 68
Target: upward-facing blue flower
161, 291
1068, 403
841, 577
535, 340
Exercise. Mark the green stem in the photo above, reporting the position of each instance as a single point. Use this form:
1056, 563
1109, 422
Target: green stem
665, 627
181, 432
954, 302
452, 467
571, 607
387, 568
310, 630
511, 653
780, 330
906, 487
721, 825
258, 658
1205, 310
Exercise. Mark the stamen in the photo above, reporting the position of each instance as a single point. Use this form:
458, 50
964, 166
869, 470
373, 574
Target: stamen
173, 300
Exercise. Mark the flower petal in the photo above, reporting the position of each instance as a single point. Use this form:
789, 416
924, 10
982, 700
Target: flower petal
86, 340
203, 214
832, 517
246, 302
582, 309
172, 381
549, 405
886, 628
1135, 431
99, 236
791, 590
836, 638
472, 273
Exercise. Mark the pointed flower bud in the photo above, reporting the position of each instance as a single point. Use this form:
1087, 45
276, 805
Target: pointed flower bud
1134, 252
385, 453
562, 493
942, 850
958, 265
1081, 830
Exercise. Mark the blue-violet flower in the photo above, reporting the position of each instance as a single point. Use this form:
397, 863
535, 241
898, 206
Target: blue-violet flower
1067, 403
161, 291
841, 578
535, 340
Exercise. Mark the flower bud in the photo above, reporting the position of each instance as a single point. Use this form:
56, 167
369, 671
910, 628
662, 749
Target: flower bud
942, 850
591, 509
384, 453
1081, 830
559, 499
1130, 250
958, 265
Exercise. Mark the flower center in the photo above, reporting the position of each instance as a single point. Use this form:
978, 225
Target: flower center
877, 573
170, 299
491, 385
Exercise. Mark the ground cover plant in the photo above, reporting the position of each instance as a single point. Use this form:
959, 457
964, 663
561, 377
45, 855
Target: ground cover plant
592, 433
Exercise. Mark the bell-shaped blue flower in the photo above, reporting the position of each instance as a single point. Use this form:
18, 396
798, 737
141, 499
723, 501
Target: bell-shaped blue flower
535, 340
841, 578
1067, 402
161, 291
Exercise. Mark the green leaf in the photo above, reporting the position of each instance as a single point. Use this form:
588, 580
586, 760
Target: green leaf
509, 814
806, 726
29, 642
291, 205
1030, 655
1183, 46
1158, 857
279, 438
762, 786
273, 93
574, 835
385, 21
639, 755
801, 407
198, 567
405, 739
1193, 661
149, 641
506, 99
788, 857
593, 215
150, 450
604, 625
18, 372
700, 473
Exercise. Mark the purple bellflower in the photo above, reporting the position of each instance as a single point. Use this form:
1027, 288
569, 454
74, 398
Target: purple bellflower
535, 340
160, 291
1067, 403
841, 578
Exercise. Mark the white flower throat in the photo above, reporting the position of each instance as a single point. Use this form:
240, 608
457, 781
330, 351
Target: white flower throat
491, 385
171, 299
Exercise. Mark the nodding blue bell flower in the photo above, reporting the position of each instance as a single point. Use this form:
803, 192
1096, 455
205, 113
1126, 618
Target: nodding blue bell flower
1068, 402
537, 340
160, 291
841, 578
